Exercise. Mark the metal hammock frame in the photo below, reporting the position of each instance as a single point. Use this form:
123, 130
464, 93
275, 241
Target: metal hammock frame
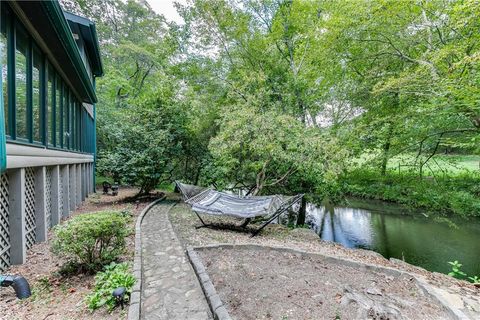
194, 195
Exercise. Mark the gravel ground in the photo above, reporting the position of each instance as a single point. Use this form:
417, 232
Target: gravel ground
57, 297
184, 222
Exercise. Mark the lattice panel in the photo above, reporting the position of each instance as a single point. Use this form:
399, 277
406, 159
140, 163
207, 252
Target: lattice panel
60, 194
71, 187
4, 224
29, 207
48, 196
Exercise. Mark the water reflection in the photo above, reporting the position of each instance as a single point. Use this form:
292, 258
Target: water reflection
418, 240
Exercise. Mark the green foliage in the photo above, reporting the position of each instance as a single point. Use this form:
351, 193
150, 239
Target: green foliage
150, 148
113, 276
441, 196
279, 96
456, 272
474, 279
89, 241
459, 274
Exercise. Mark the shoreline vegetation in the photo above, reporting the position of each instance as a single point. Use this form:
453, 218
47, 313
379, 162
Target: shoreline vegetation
457, 195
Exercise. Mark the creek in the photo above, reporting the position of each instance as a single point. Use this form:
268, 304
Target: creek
396, 232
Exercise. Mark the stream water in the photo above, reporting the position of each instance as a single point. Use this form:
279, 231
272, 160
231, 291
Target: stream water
393, 232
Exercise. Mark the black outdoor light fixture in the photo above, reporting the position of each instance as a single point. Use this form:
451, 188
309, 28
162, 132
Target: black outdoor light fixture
119, 295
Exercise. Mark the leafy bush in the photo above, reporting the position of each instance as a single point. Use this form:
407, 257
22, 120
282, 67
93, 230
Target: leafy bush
150, 146
90, 241
114, 276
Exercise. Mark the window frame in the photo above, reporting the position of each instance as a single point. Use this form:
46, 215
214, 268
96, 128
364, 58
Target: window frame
62, 133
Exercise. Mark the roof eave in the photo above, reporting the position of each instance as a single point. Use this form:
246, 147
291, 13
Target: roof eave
55, 14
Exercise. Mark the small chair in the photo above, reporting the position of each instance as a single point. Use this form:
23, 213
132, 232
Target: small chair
106, 187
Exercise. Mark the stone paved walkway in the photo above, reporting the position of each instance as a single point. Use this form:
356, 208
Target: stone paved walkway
170, 289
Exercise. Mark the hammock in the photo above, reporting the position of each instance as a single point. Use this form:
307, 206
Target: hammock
213, 202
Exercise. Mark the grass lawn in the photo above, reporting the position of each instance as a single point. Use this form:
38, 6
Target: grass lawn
451, 164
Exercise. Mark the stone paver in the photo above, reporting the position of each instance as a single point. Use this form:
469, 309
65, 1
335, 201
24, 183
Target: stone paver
170, 289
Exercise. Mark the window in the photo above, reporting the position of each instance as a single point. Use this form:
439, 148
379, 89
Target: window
36, 96
21, 85
50, 107
66, 113
77, 127
39, 106
4, 66
72, 125
58, 111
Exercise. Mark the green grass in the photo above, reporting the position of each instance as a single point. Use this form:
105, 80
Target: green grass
438, 164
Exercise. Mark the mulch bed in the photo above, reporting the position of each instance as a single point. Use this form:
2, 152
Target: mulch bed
57, 297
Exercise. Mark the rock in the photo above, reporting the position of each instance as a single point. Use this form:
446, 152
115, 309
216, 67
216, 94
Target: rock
304, 233
318, 296
374, 291
371, 253
369, 308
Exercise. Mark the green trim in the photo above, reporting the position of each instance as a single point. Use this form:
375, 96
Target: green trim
97, 66
62, 110
55, 14
98, 70
29, 60
12, 95
94, 142
43, 101
3, 149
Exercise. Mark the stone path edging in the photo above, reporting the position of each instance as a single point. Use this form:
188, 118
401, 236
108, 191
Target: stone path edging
212, 295
134, 308
216, 305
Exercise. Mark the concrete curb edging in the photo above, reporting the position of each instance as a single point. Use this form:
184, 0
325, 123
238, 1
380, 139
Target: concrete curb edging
216, 306
204, 278
134, 308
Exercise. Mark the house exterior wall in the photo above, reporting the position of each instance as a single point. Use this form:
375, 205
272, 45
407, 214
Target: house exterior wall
47, 143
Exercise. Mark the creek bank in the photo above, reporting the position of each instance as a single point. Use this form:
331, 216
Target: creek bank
184, 222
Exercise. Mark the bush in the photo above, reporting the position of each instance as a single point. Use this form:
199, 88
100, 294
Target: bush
114, 276
444, 195
90, 241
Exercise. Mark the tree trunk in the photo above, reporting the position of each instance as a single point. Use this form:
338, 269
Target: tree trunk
302, 212
386, 149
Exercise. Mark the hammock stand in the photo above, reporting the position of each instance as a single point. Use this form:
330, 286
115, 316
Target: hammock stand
213, 202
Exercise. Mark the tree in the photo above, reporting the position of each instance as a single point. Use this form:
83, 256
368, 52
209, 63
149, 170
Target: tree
150, 145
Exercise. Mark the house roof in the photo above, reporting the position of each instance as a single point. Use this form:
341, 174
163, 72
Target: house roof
89, 35
50, 23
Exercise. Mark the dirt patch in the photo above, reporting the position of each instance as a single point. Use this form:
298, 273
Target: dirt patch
57, 297
270, 284
184, 222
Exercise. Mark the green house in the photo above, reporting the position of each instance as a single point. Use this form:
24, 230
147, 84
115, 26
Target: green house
49, 62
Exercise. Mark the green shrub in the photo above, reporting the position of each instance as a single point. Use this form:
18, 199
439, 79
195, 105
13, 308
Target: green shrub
90, 241
443, 195
114, 276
